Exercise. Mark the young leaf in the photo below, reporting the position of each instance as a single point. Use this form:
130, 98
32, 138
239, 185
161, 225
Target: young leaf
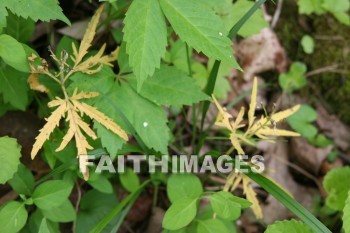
336, 187
170, 86
22, 181
225, 205
212, 226
339, 9
51, 194
14, 87
63, 213
183, 186
310, 6
180, 214
145, 36
44, 10
13, 217
129, 180
13, 53
291, 226
308, 44
294, 79
101, 183
44, 228
346, 215
10, 152
302, 120
200, 28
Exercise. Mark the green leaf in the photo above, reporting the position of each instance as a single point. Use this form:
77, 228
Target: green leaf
145, 36
44, 228
148, 119
129, 180
101, 183
13, 217
339, 9
226, 205
63, 213
109, 140
310, 6
19, 28
294, 79
301, 121
180, 214
170, 86
291, 226
253, 25
51, 194
3, 14
14, 86
10, 152
183, 186
308, 44
93, 207
200, 28
346, 215
44, 10
22, 181
13, 54
337, 188
211, 226
35, 221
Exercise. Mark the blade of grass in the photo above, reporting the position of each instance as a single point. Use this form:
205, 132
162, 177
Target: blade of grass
214, 72
119, 208
290, 203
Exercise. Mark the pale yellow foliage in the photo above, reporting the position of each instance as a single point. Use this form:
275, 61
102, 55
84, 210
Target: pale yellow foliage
34, 83
265, 128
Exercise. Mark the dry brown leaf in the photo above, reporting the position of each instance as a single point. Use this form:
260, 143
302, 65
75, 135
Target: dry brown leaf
35, 85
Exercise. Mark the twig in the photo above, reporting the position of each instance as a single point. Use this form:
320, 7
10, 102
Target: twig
277, 14
330, 68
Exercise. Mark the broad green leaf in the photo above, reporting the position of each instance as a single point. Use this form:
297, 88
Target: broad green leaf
35, 221
170, 86
145, 36
308, 44
200, 28
101, 183
13, 86
294, 79
19, 28
301, 121
212, 226
10, 153
291, 226
109, 140
13, 54
253, 25
51, 194
337, 187
183, 186
227, 206
180, 214
44, 10
22, 181
148, 119
177, 55
339, 9
63, 213
346, 215
3, 14
44, 228
310, 6
129, 180
93, 207
123, 59
13, 217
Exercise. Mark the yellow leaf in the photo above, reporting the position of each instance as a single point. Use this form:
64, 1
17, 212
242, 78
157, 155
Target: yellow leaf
251, 196
107, 59
83, 95
277, 132
236, 144
35, 85
252, 105
284, 114
223, 118
93, 113
88, 36
52, 123
239, 118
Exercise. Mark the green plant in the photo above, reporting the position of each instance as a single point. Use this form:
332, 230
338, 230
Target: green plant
83, 97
